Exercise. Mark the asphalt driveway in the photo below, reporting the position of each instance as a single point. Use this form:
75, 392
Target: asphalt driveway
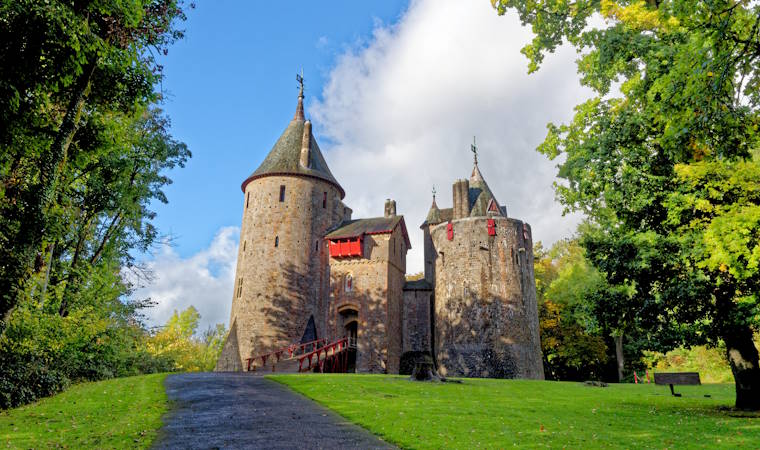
237, 410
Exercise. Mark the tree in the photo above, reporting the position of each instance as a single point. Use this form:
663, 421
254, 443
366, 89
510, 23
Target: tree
177, 341
60, 61
571, 341
689, 91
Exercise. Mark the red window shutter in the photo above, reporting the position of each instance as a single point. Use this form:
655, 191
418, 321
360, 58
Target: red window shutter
491, 227
450, 231
356, 247
345, 248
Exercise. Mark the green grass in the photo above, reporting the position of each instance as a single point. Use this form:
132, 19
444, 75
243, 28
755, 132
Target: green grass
483, 413
119, 413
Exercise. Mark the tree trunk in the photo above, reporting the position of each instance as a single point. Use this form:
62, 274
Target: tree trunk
743, 358
619, 355
27, 241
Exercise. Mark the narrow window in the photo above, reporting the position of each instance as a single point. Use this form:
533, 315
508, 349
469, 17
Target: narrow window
316, 246
324, 200
277, 241
244, 242
282, 193
240, 287
349, 283
247, 199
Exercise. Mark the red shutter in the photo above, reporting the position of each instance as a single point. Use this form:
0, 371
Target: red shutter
334, 249
450, 231
356, 247
491, 227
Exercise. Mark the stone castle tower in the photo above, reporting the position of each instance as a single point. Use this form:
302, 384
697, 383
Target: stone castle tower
480, 265
306, 270
282, 277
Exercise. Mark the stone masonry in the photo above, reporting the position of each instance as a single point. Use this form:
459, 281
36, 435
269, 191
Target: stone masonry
307, 270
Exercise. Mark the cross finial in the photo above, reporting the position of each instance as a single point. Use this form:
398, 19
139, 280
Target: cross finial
300, 79
474, 148
433, 192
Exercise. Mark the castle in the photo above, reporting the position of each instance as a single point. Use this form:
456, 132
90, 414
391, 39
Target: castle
307, 270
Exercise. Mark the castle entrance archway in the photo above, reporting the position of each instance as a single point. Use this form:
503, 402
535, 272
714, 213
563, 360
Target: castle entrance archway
349, 315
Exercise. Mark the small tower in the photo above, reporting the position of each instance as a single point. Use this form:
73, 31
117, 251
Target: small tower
486, 316
282, 275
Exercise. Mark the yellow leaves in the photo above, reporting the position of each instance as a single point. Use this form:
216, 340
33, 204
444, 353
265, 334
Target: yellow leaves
723, 267
703, 205
638, 16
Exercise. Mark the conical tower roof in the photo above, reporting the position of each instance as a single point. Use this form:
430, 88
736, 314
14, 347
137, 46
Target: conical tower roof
481, 196
434, 215
285, 156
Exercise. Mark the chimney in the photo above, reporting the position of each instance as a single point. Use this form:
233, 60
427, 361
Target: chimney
306, 144
464, 194
390, 208
455, 199
461, 194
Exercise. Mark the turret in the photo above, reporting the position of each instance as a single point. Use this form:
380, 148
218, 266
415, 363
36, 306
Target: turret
282, 275
486, 316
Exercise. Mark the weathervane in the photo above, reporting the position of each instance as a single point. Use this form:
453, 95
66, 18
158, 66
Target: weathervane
474, 148
433, 192
299, 78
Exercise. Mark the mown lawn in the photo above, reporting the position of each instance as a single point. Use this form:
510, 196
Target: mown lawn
481, 413
119, 413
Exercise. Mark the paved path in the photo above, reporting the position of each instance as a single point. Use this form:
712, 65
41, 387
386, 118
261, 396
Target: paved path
230, 411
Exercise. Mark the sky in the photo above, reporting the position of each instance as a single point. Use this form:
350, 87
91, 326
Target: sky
396, 90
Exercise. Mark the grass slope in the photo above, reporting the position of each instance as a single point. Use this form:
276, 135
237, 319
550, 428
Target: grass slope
483, 413
119, 413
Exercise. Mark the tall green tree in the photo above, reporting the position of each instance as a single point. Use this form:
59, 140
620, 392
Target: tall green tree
61, 63
677, 88
572, 340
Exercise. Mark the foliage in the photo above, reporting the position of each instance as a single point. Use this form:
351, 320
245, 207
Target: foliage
77, 75
177, 341
571, 343
489, 413
42, 353
679, 257
121, 413
84, 151
709, 362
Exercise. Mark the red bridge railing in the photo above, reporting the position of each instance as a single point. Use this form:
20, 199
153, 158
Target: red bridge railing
291, 351
337, 361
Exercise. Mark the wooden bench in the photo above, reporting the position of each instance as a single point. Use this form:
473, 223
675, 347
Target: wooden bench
677, 378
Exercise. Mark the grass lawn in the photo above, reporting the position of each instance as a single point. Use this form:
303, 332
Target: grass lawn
119, 413
483, 413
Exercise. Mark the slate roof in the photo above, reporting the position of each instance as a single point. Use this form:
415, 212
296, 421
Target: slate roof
374, 225
285, 157
434, 215
480, 194
443, 215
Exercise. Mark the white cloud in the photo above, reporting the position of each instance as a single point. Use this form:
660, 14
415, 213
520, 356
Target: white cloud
204, 280
397, 115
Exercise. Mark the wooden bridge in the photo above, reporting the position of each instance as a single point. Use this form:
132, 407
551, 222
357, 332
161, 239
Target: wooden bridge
314, 356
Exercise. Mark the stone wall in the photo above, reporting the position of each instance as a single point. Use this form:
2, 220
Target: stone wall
376, 296
416, 321
486, 317
282, 275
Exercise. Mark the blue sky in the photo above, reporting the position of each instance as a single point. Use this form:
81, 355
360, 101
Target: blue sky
232, 90
395, 91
